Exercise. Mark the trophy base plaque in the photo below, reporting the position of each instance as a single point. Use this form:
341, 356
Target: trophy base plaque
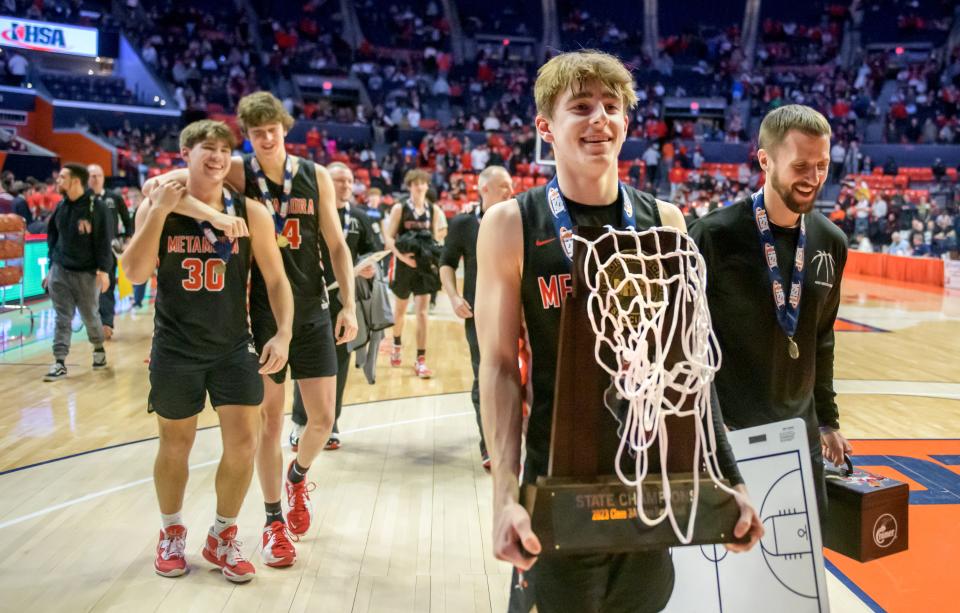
576, 516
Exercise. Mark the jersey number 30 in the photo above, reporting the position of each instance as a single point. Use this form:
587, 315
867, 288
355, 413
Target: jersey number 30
203, 274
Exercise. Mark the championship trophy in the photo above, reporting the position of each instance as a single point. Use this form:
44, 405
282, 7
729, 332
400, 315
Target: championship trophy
633, 464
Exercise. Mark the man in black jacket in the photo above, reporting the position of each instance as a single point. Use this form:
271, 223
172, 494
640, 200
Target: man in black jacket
78, 240
119, 219
461, 243
774, 266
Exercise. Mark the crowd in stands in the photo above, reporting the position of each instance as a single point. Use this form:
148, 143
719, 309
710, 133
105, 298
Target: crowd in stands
901, 211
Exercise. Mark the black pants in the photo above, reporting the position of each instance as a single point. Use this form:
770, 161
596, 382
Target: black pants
616, 583
108, 301
819, 483
343, 369
470, 327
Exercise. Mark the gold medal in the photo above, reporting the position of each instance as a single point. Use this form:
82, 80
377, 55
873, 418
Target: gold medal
793, 349
220, 268
282, 241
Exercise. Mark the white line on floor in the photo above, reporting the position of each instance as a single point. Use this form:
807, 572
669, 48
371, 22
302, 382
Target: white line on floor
125, 486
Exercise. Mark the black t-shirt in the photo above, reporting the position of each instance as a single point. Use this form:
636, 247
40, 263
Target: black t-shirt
461, 242
361, 238
302, 256
758, 382
193, 293
119, 215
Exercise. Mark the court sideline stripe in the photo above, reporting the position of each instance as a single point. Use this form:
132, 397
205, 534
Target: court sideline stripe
125, 486
853, 587
151, 438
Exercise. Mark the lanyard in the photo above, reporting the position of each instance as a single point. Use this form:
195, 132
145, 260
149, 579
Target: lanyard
222, 246
427, 208
788, 311
563, 223
346, 219
278, 217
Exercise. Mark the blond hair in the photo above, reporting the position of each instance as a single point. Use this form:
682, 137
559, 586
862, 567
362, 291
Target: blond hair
204, 130
778, 122
260, 108
574, 69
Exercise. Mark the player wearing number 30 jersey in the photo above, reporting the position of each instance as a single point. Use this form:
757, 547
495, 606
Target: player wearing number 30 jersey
202, 343
298, 195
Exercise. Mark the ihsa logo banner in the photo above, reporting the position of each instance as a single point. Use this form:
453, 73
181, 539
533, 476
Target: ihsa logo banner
48, 37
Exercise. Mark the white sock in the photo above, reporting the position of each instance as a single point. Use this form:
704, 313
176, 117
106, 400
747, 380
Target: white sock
173, 519
222, 523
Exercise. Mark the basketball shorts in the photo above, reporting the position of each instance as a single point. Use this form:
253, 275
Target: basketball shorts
407, 281
313, 352
613, 583
180, 393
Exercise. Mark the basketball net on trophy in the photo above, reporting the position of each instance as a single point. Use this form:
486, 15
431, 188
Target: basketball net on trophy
648, 310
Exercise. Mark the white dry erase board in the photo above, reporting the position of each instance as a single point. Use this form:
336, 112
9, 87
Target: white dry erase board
784, 572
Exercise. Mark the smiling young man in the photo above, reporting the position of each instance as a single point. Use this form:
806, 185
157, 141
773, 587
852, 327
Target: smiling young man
299, 195
583, 100
773, 283
202, 343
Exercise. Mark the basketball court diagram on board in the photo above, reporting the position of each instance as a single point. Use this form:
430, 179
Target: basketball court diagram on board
786, 566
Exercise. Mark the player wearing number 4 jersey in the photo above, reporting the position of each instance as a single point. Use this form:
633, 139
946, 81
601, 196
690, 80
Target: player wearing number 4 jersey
202, 343
299, 196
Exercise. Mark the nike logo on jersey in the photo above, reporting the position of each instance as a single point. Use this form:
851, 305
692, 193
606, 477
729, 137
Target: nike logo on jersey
546, 241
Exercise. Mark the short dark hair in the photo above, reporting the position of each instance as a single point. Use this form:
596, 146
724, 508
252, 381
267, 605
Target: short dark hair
78, 171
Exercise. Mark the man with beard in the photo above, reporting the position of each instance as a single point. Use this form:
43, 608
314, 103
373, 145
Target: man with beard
764, 255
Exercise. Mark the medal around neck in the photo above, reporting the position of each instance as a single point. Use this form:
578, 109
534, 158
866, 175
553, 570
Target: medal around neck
279, 216
788, 310
223, 246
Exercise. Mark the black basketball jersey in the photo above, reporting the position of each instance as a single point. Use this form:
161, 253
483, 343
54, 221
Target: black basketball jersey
411, 222
545, 283
301, 257
201, 309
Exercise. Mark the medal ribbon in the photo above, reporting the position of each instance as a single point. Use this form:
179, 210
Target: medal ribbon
222, 246
278, 217
788, 307
563, 223
346, 219
427, 208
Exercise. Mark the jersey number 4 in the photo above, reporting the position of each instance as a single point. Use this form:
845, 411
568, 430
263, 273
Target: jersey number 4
203, 274
291, 232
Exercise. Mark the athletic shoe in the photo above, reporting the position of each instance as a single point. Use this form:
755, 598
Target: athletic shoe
57, 371
298, 499
278, 551
295, 433
333, 443
223, 550
485, 460
171, 561
421, 370
99, 359
395, 356
107, 332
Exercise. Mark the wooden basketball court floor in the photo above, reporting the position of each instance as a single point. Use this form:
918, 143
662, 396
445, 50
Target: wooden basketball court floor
403, 509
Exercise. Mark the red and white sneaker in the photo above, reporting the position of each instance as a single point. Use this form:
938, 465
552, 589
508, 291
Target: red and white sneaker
278, 550
421, 370
171, 561
395, 356
298, 499
223, 550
